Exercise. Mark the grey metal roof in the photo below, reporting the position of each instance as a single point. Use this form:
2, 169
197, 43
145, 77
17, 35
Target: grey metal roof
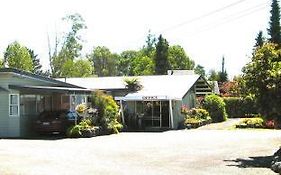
162, 86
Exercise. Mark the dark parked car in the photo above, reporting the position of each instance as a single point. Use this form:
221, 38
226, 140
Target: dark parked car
54, 122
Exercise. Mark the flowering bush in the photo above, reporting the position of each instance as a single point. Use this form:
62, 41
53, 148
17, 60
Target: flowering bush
184, 109
108, 112
255, 122
196, 117
81, 108
270, 124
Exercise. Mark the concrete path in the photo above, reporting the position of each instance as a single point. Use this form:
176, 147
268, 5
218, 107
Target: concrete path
191, 152
228, 124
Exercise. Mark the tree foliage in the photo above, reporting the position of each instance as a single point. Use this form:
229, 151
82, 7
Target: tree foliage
161, 56
105, 63
17, 56
200, 70
274, 30
1, 63
71, 45
77, 68
259, 40
222, 75
263, 76
213, 75
124, 66
149, 48
178, 59
142, 66
36, 62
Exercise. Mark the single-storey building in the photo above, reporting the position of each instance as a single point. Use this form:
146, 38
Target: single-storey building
157, 105
24, 95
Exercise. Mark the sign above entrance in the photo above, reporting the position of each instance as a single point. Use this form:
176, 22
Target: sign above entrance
149, 98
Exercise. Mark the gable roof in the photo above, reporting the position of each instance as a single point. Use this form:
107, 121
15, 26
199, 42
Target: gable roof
160, 86
37, 77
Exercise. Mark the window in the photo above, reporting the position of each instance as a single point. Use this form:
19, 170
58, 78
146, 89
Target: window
14, 105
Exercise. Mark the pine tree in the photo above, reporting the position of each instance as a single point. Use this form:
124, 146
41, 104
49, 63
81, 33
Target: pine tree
161, 57
274, 23
259, 40
223, 77
36, 62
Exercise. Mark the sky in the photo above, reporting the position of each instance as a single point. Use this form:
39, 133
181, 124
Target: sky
207, 29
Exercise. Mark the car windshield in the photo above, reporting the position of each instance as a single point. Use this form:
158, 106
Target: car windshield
46, 115
52, 114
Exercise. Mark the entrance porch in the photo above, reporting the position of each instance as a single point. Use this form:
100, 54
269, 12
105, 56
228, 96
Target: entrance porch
147, 115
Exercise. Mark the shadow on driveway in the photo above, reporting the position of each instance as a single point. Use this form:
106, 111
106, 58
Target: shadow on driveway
251, 162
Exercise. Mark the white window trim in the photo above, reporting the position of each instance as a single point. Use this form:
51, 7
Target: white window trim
18, 105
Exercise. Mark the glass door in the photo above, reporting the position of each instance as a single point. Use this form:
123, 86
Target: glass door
152, 114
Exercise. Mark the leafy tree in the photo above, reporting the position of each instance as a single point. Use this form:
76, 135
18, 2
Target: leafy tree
17, 56
36, 62
83, 68
79, 68
68, 69
179, 60
71, 45
263, 76
200, 70
274, 23
259, 40
105, 63
1, 63
234, 88
161, 56
126, 58
142, 66
213, 75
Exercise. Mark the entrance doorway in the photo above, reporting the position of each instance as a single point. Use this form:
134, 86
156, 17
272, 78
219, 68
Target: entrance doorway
155, 114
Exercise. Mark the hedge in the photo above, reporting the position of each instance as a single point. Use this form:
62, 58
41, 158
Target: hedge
237, 107
216, 107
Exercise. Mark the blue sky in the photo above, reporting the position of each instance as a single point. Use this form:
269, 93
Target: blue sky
207, 29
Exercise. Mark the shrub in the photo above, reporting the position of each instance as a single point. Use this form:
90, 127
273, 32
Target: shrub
108, 112
240, 107
84, 129
196, 117
198, 113
255, 122
216, 107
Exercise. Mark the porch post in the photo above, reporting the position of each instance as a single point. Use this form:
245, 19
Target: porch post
122, 112
171, 114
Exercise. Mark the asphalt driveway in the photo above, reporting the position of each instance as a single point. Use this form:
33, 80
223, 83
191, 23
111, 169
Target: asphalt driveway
193, 152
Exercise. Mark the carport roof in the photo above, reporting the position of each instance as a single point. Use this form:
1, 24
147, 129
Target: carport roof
50, 89
3, 89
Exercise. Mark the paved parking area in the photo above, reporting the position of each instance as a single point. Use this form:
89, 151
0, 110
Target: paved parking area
193, 152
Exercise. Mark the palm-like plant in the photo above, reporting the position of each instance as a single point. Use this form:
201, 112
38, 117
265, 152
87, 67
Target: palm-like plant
133, 84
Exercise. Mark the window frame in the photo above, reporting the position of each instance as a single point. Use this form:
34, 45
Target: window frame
17, 105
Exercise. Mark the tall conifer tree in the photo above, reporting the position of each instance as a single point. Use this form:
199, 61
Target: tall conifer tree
274, 30
161, 57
